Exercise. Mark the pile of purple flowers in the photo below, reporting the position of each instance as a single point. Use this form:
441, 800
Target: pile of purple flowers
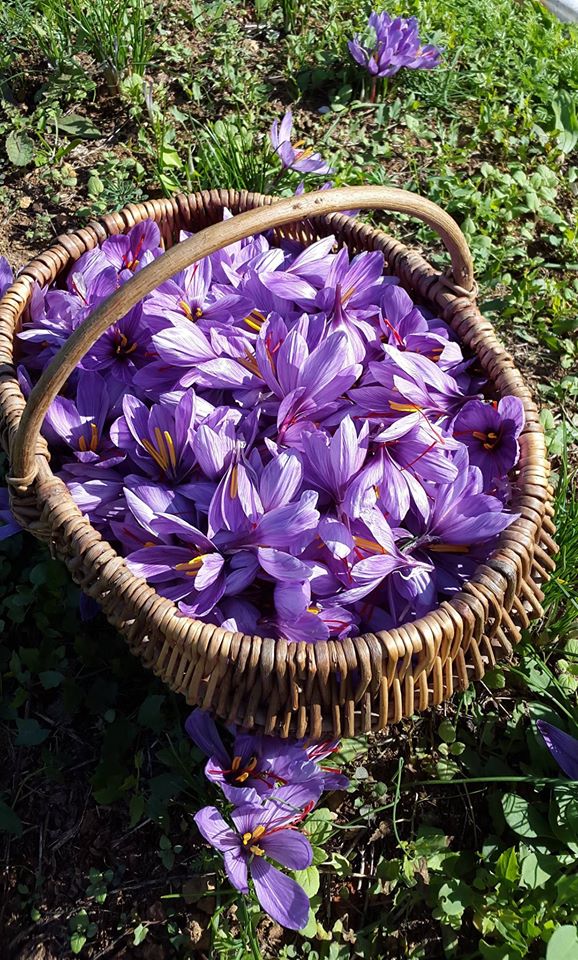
278, 439
273, 785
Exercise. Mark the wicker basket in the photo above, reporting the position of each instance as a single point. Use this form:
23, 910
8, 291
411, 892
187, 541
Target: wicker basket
340, 687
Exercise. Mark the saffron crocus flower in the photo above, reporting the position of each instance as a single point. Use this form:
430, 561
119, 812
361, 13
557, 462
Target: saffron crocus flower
6, 275
8, 525
490, 432
122, 349
257, 833
257, 766
133, 250
308, 381
159, 440
393, 44
293, 157
452, 538
80, 423
331, 462
562, 746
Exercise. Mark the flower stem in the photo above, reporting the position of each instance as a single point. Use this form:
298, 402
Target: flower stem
373, 90
248, 924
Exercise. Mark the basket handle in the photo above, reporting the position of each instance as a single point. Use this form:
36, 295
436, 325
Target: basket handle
207, 241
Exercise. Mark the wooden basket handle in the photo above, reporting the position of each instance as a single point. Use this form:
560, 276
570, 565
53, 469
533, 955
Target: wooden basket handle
207, 241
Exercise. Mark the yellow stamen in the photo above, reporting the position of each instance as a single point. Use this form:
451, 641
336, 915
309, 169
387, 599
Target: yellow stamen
82, 445
257, 850
251, 765
234, 487
93, 437
171, 449
448, 548
255, 320
404, 407
258, 832
236, 763
186, 309
198, 313
149, 543
132, 349
479, 436
313, 609
246, 838
154, 453
242, 777
370, 545
348, 293
191, 567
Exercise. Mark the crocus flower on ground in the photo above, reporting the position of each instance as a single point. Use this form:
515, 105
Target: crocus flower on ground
258, 766
562, 746
292, 156
259, 833
392, 44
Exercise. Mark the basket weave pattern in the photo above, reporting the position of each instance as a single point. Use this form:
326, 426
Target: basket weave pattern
298, 689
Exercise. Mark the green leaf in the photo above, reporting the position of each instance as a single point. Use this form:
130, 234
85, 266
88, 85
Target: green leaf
309, 880
150, 714
563, 944
19, 148
523, 818
51, 679
136, 809
532, 872
77, 941
140, 933
76, 126
10, 822
320, 825
507, 866
30, 733
340, 865
447, 731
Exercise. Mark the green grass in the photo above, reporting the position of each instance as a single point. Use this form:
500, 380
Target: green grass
459, 836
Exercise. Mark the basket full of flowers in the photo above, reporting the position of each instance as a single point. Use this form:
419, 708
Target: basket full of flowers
288, 458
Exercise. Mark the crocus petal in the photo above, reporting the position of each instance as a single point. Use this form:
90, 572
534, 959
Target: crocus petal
283, 566
562, 746
280, 896
202, 730
236, 869
289, 848
215, 830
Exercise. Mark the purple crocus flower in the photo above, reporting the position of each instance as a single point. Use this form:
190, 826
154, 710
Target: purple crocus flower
159, 440
80, 424
133, 250
8, 525
291, 156
6, 276
393, 44
257, 767
299, 618
192, 572
122, 349
331, 462
259, 832
451, 539
562, 746
490, 431
190, 297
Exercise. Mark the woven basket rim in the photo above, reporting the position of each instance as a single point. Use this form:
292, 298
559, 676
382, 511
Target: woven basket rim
478, 602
